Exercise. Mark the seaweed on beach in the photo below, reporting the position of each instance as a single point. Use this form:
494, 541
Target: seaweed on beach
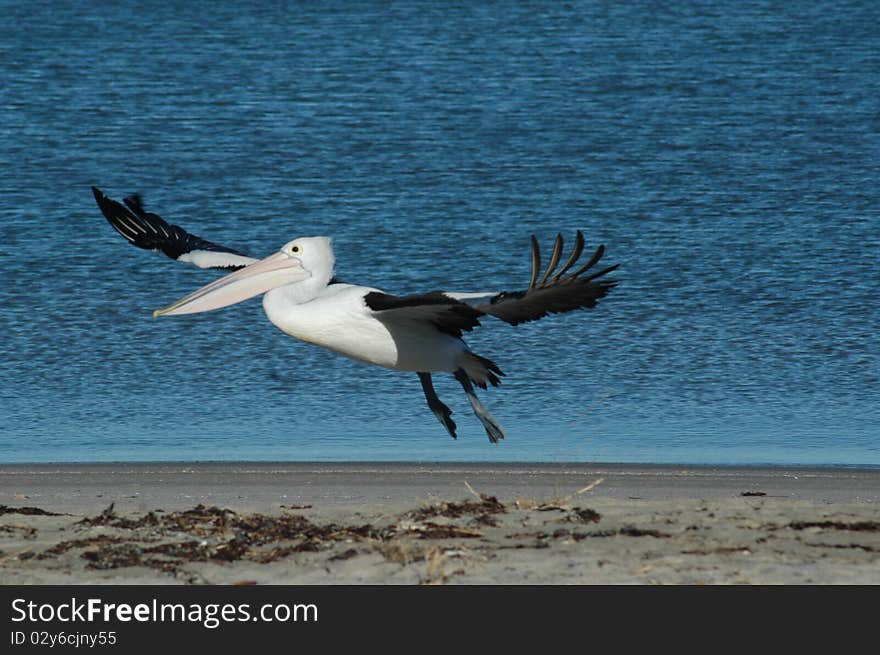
25, 531
28, 511
280, 552
855, 526
719, 550
862, 547
486, 520
347, 554
222, 535
431, 530
109, 518
166, 556
630, 531
169, 540
200, 520
185, 520
63, 546
561, 533
583, 515
165, 541
113, 556
104, 518
485, 505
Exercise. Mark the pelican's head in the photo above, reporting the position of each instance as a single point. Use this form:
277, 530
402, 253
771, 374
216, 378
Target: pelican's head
315, 255
306, 258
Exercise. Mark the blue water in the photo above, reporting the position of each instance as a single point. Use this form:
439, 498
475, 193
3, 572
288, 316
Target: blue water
727, 154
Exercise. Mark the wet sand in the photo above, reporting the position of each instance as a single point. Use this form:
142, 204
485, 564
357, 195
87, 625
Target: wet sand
437, 524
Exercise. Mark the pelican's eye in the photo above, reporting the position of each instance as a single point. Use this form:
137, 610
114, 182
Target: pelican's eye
295, 250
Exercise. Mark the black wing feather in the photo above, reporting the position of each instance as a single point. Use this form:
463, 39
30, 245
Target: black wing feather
151, 232
446, 314
556, 294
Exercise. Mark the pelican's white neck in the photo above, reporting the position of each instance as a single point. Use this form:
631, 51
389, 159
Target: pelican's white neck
298, 293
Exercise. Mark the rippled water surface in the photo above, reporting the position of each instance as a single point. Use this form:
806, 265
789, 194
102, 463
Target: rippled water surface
727, 155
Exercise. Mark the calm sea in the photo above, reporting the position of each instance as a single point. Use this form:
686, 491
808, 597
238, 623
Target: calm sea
727, 154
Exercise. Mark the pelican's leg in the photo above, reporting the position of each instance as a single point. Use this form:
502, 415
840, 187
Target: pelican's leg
492, 428
441, 411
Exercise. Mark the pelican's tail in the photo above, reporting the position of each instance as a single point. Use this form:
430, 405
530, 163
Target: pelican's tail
480, 370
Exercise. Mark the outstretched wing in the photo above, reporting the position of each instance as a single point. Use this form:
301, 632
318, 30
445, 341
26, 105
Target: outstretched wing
554, 293
150, 232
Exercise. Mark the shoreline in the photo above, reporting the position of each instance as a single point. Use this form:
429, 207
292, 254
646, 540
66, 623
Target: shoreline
84, 487
411, 523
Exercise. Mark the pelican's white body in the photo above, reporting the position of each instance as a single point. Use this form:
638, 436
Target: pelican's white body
300, 300
339, 320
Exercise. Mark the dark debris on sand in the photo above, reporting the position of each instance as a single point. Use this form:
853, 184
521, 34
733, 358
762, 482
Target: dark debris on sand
29, 511
168, 540
855, 526
221, 535
486, 505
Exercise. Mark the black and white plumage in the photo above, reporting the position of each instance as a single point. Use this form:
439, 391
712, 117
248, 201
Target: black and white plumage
419, 333
150, 232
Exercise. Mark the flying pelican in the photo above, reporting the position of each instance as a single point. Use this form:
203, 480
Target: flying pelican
419, 333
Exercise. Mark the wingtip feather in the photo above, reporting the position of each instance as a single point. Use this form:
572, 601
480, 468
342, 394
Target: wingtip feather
536, 262
558, 245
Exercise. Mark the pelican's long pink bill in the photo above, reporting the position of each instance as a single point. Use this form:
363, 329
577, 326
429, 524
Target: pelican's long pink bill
274, 271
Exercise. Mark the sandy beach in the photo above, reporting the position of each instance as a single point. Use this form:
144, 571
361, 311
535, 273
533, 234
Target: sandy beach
377, 523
